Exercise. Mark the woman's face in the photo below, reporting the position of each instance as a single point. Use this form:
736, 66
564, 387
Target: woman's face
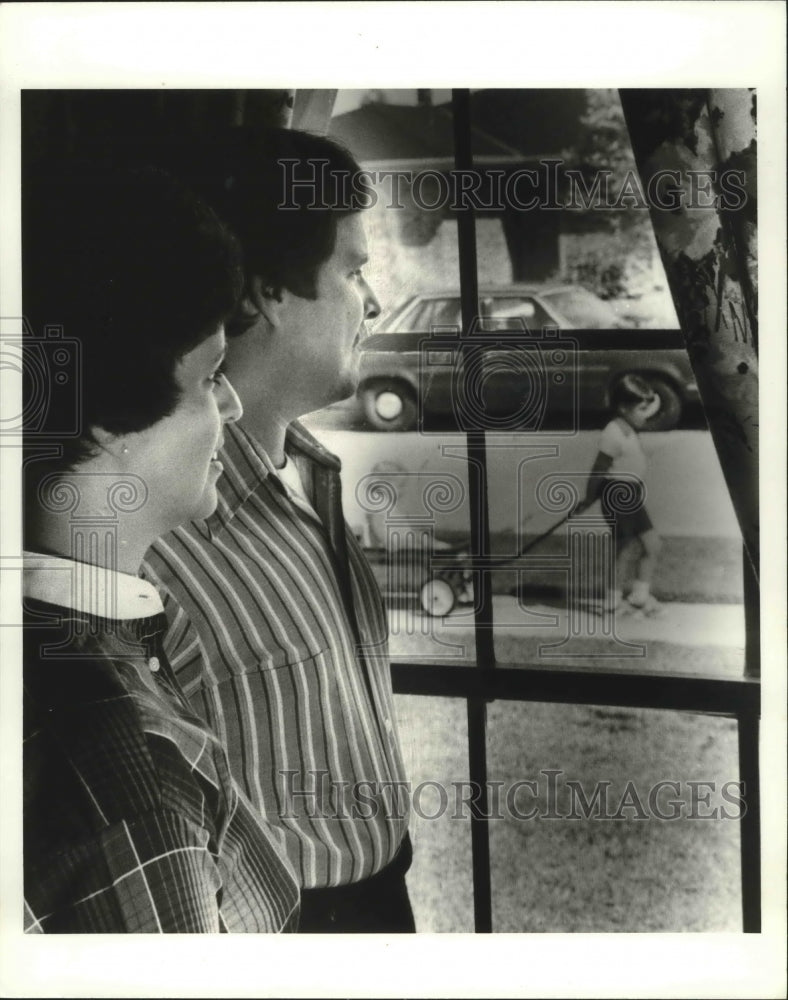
176, 457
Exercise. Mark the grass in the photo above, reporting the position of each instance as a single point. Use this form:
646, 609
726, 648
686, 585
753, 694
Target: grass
658, 655
572, 875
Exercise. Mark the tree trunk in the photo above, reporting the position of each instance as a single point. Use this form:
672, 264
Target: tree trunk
532, 241
704, 217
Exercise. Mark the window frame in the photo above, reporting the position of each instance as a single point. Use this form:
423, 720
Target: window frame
488, 680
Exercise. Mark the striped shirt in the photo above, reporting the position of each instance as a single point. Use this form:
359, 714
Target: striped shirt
279, 637
132, 821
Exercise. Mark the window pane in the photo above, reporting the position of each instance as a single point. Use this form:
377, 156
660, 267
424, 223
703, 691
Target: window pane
405, 494
434, 733
560, 211
556, 605
407, 501
578, 256
654, 849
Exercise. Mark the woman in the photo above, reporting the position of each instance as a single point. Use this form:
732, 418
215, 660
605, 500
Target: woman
131, 819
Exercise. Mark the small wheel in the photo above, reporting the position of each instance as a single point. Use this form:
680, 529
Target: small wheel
389, 405
437, 597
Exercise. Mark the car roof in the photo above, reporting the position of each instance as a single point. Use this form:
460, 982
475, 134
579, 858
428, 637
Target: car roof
515, 289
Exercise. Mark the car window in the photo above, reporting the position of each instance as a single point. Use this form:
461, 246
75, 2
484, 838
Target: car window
448, 312
425, 314
583, 309
415, 318
519, 307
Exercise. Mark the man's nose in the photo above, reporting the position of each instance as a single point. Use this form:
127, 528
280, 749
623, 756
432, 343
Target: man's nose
371, 304
230, 405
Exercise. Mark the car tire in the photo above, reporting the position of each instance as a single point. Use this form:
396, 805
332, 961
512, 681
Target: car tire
670, 403
437, 597
389, 405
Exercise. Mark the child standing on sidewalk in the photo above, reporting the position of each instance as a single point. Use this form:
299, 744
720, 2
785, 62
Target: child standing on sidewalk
617, 479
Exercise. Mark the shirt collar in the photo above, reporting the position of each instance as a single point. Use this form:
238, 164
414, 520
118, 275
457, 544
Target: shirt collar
93, 590
298, 439
246, 465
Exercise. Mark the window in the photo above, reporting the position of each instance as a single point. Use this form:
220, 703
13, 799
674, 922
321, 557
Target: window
544, 686
501, 671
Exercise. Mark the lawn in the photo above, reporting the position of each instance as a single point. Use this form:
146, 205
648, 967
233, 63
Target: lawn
563, 875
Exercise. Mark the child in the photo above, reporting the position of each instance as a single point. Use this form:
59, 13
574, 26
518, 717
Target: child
620, 468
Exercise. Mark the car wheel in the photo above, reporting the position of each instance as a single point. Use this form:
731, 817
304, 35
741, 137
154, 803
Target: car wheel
389, 405
437, 597
668, 414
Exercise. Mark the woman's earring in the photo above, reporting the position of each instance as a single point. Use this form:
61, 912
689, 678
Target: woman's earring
124, 450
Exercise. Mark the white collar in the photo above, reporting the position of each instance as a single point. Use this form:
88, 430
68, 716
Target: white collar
94, 590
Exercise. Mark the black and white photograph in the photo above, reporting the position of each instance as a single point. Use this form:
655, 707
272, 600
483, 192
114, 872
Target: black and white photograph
390, 542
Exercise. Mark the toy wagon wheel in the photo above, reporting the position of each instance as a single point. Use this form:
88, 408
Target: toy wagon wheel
437, 597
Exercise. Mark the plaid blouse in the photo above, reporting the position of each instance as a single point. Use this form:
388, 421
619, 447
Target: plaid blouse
279, 638
132, 821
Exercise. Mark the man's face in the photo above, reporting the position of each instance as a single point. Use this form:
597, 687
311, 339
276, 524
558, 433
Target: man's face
326, 333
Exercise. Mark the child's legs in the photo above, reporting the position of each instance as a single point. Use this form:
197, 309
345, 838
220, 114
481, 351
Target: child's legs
628, 553
651, 544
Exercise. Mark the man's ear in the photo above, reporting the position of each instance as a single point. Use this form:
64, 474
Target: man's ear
264, 300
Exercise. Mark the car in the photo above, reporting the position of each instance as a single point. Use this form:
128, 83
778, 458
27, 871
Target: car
528, 376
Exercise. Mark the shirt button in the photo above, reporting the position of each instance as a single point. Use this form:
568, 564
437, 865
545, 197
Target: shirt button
154, 664
389, 725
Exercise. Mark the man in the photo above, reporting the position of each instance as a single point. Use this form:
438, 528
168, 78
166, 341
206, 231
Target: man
278, 632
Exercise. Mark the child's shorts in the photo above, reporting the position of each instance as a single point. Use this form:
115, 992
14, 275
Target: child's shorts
623, 508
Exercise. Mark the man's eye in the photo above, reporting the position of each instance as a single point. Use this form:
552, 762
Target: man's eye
218, 374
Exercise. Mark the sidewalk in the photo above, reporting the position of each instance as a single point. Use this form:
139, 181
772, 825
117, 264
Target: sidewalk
539, 629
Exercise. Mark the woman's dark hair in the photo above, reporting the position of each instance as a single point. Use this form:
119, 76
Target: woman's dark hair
125, 271
282, 192
629, 391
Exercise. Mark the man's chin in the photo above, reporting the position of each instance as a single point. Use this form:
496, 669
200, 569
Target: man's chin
206, 506
341, 389
348, 392
346, 387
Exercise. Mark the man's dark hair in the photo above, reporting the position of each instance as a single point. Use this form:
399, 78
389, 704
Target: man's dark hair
630, 391
137, 271
282, 192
